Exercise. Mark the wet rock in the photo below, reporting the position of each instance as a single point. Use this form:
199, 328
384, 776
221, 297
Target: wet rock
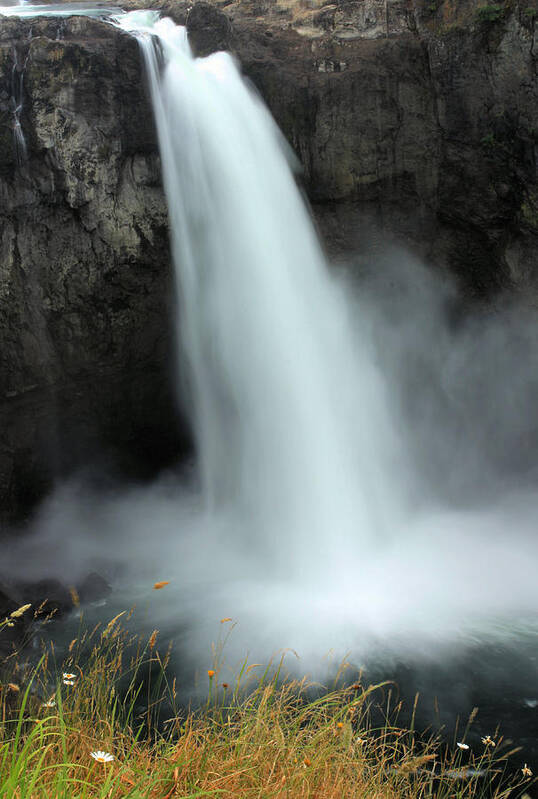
15, 632
423, 129
85, 279
47, 596
93, 587
209, 29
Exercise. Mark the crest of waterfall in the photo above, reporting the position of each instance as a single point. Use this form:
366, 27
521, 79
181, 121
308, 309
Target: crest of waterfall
293, 439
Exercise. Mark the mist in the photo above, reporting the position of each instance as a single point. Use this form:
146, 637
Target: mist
364, 478
456, 564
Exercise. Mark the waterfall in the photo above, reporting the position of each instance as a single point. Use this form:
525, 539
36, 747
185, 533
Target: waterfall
285, 410
17, 98
300, 524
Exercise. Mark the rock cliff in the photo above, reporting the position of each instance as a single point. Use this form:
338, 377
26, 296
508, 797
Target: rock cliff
415, 121
85, 282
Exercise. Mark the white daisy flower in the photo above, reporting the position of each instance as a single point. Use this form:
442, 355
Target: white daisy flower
102, 757
49, 703
462, 745
68, 676
487, 741
68, 682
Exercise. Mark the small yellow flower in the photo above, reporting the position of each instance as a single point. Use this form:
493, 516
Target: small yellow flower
211, 673
102, 757
488, 741
161, 584
339, 725
226, 618
526, 771
462, 745
307, 762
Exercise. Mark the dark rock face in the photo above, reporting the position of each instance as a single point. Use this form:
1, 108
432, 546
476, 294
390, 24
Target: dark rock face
85, 282
414, 121
429, 134
209, 29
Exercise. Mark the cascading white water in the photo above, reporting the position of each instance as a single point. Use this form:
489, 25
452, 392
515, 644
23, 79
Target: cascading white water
301, 473
282, 405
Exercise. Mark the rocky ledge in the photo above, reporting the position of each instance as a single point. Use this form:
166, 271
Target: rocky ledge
85, 280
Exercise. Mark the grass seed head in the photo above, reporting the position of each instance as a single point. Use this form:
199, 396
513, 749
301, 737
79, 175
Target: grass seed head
20, 611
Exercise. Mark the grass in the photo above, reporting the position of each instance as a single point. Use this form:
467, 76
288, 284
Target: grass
265, 736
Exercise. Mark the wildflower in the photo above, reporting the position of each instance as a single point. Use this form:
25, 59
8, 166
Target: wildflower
68, 682
226, 618
487, 741
307, 762
13, 687
339, 725
161, 584
49, 703
17, 613
225, 685
211, 673
360, 740
68, 676
462, 745
526, 771
102, 757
